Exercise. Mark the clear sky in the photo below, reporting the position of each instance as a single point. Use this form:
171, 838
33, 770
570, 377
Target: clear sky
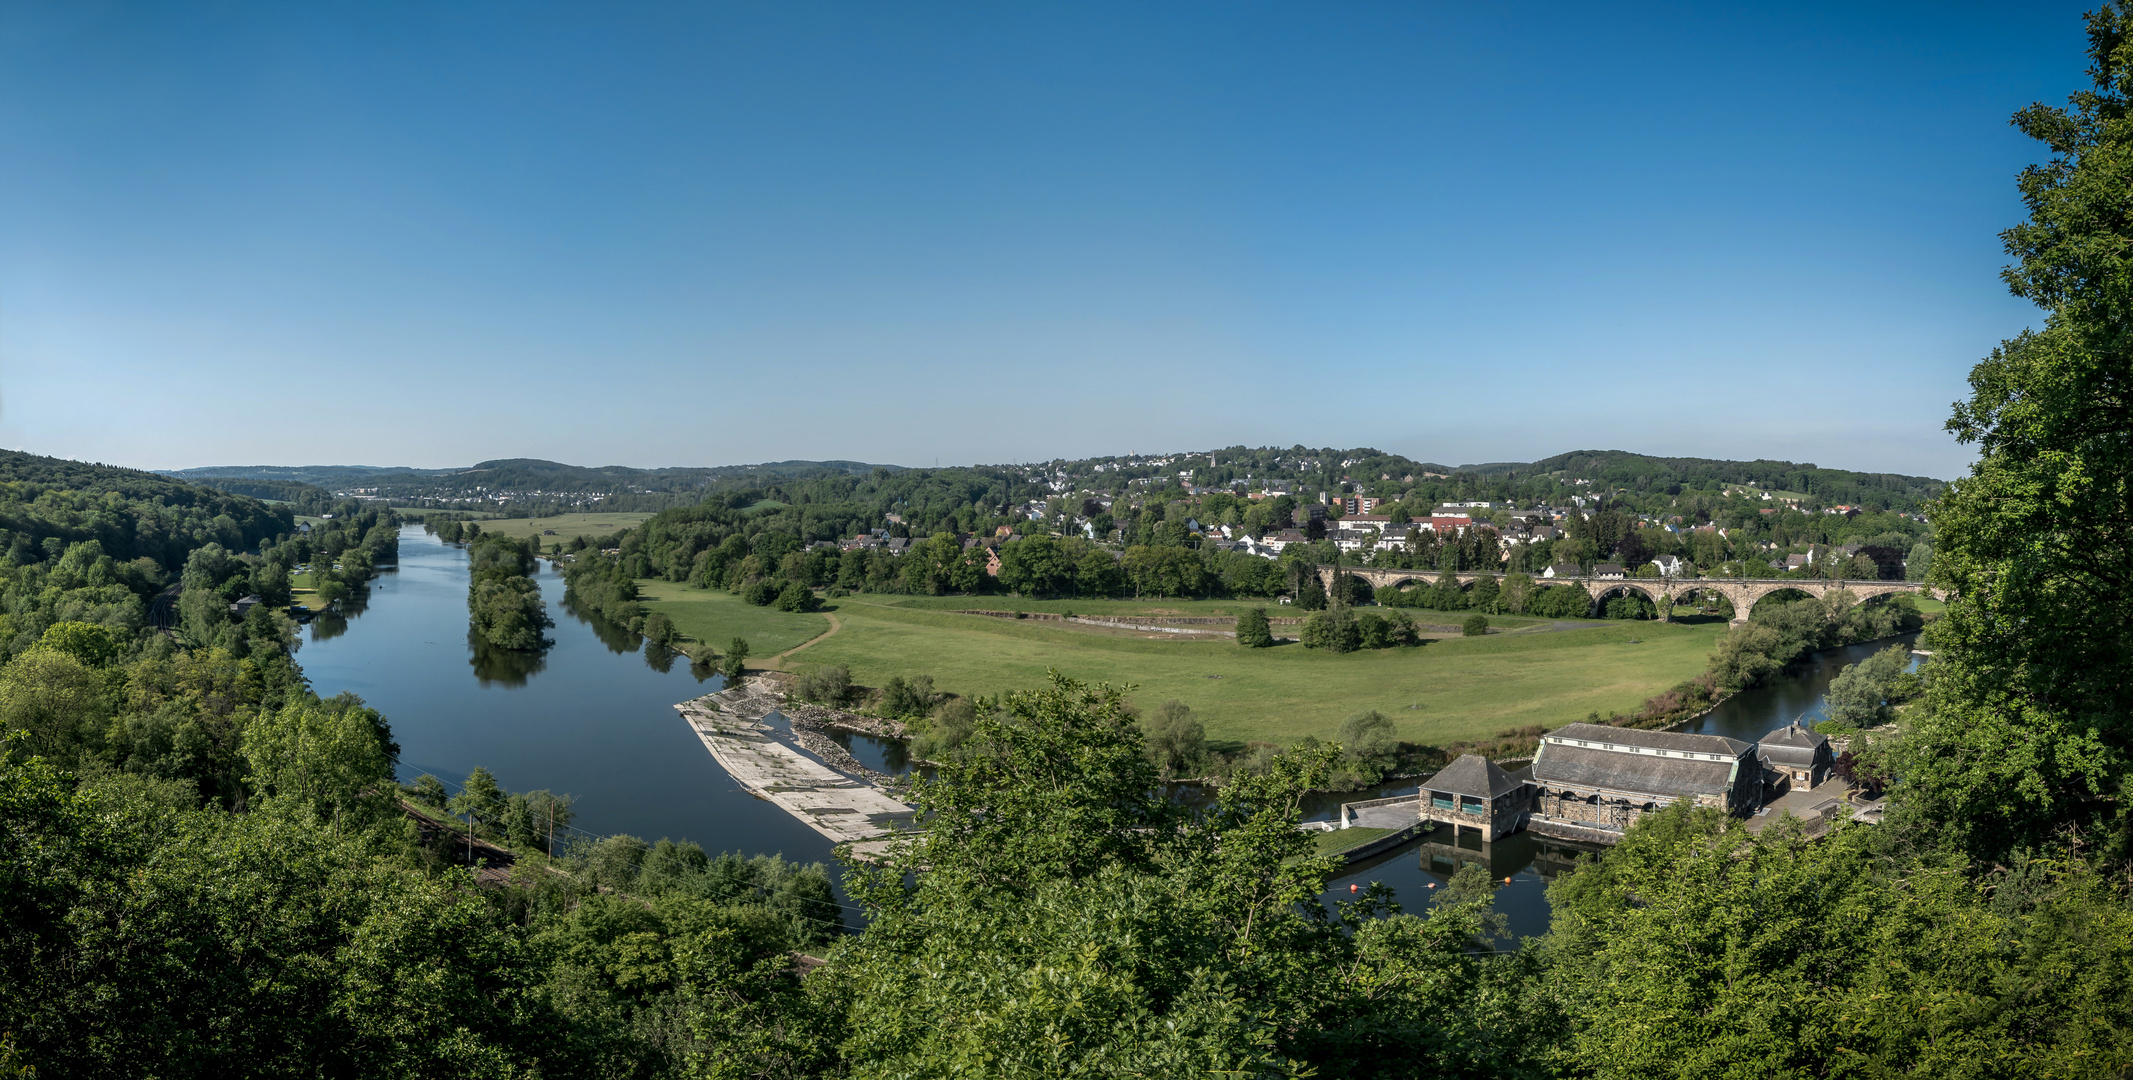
429, 234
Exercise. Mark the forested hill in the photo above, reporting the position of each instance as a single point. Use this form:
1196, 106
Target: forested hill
47, 504
528, 484
1645, 473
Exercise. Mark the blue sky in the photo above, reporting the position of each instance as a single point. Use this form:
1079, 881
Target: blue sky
713, 233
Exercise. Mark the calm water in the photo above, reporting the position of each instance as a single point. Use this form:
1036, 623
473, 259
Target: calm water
594, 717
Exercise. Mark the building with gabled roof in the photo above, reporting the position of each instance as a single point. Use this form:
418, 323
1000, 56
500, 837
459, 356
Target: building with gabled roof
1800, 757
1592, 781
1477, 793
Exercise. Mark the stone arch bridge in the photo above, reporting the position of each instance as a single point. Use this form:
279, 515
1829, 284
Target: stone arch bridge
1742, 593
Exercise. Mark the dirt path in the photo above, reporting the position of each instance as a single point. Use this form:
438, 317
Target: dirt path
778, 661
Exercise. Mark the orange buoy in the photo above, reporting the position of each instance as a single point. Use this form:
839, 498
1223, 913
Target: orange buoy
1432, 884
1507, 881
1352, 888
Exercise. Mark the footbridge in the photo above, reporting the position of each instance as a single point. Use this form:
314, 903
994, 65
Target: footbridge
1664, 593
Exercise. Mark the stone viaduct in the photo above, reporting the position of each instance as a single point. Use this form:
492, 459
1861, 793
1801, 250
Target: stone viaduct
1742, 593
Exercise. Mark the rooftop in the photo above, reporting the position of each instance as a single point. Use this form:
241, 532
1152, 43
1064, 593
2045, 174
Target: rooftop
1472, 774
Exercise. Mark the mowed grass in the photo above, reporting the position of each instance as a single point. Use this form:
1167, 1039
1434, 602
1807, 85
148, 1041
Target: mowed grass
715, 617
1116, 608
303, 591
565, 526
1461, 688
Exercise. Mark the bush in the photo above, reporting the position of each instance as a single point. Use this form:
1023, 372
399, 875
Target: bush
796, 597
1475, 626
762, 594
659, 628
1334, 631
1177, 742
1253, 631
827, 686
939, 736
900, 698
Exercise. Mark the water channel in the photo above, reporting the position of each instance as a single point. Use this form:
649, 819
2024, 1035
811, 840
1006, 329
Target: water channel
594, 717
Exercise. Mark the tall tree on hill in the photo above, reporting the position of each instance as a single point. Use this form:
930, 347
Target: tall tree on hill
2030, 729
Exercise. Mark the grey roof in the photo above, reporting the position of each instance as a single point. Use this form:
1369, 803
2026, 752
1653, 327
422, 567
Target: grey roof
1641, 773
1679, 741
1793, 744
1472, 774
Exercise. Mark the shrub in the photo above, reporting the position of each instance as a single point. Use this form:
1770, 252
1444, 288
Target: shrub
1253, 631
796, 597
1335, 631
827, 686
901, 698
1475, 626
659, 628
1177, 742
762, 594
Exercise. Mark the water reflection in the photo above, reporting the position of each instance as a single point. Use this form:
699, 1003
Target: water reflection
493, 664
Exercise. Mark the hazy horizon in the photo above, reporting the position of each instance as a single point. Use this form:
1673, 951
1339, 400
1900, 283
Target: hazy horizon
696, 235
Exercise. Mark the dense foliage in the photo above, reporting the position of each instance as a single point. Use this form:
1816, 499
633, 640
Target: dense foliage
504, 604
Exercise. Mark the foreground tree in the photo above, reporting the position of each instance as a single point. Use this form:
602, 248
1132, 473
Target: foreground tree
2029, 727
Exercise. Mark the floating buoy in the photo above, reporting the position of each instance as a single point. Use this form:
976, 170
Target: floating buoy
1353, 888
1507, 881
1432, 884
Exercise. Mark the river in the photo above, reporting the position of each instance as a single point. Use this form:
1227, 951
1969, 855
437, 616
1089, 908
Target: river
594, 717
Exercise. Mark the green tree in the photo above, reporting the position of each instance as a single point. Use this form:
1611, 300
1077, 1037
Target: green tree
55, 699
1253, 630
1859, 697
95, 646
1475, 626
736, 659
2029, 728
320, 758
481, 798
1177, 742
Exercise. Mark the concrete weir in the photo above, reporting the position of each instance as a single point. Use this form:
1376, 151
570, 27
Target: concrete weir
845, 809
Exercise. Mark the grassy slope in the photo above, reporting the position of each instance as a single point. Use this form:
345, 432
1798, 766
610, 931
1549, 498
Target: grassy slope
1466, 687
565, 525
1159, 607
715, 617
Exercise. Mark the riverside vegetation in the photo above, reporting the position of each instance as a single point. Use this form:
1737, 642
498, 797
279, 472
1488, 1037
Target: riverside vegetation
1068, 919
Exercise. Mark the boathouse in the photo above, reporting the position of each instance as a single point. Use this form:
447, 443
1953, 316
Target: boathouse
1476, 792
1590, 782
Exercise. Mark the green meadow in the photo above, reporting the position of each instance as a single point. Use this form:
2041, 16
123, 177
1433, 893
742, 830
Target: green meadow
715, 617
1448, 689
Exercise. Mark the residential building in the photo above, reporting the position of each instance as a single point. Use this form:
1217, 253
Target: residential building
1669, 565
1560, 570
1608, 570
1797, 757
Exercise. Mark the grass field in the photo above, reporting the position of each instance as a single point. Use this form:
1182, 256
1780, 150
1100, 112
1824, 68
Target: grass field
566, 526
301, 592
1161, 607
1457, 688
715, 617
